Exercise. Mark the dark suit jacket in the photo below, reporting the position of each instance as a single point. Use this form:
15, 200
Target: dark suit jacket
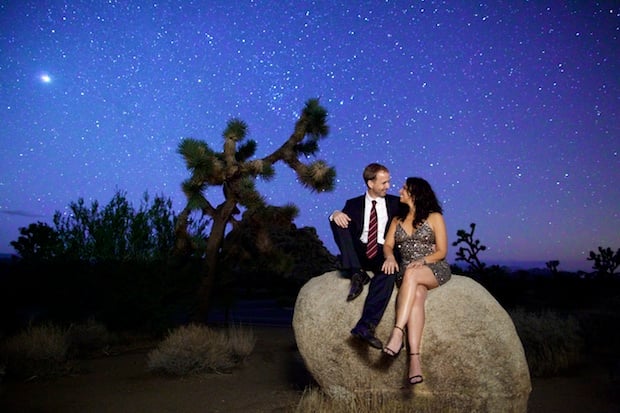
354, 208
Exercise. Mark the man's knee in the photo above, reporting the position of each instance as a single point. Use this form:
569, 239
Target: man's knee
382, 279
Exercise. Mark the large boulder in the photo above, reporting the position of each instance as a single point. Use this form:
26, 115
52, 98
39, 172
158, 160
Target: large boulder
471, 354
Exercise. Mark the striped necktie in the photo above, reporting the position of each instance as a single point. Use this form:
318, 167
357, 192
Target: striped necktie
371, 245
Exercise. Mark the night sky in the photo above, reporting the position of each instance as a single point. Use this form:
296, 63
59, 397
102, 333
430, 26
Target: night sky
510, 109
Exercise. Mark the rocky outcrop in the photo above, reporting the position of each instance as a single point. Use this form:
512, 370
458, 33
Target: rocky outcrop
472, 357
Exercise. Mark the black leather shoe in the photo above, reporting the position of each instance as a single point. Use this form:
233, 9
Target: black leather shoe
368, 337
356, 289
358, 280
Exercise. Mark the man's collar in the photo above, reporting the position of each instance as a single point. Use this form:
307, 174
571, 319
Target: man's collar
369, 198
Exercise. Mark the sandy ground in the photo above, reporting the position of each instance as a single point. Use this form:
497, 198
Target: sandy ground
271, 380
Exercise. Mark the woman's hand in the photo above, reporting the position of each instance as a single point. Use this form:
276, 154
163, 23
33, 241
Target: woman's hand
417, 263
390, 266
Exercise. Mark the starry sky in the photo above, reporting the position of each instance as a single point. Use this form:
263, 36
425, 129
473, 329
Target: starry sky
508, 108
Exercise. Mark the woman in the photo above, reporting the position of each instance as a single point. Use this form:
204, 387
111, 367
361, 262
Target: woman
419, 233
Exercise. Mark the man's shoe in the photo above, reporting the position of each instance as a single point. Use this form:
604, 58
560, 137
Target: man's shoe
368, 337
356, 289
358, 280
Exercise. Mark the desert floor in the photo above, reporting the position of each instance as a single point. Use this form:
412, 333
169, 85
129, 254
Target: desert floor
271, 380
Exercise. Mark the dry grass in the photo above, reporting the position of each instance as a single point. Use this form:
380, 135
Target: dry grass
197, 349
38, 351
241, 341
44, 351
314, 400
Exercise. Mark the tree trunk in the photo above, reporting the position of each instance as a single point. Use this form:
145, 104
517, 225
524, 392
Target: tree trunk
214, 243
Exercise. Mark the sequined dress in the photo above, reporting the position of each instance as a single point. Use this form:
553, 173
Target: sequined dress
416, 246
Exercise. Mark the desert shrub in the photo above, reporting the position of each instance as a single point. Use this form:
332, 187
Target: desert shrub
241, 341
314, 400
36, 352
196, 349
552, 343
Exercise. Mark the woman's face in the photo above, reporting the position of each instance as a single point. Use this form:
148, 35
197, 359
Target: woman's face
405, 196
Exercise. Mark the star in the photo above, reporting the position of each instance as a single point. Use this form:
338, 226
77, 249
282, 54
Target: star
513, 130
45, 78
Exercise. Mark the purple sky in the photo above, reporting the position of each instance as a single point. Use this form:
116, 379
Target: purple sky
509, 109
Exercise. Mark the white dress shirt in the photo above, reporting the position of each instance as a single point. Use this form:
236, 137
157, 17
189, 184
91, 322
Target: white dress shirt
382, 218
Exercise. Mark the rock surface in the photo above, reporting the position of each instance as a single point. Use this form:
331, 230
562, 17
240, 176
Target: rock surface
472, 358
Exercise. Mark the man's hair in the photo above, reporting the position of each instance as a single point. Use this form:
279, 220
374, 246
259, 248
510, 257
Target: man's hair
371, 171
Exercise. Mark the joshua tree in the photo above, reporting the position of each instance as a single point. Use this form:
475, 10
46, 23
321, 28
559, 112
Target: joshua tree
236, 174
606, 261
553, 266
469, 253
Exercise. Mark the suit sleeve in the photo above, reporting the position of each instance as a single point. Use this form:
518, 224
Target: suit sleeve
354, 208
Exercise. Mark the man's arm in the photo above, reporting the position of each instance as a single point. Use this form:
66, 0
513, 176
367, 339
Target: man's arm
340, 218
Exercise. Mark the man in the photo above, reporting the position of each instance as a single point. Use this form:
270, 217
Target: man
351, 228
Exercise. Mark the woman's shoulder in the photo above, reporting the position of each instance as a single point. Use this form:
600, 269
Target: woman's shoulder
434, 217
397, 222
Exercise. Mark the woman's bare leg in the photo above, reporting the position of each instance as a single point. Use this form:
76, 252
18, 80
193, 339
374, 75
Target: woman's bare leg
406, 300
404, 303
415, 326
418, 280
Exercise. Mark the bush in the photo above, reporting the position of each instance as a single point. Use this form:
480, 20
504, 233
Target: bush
552, 343
37, 352
197, 349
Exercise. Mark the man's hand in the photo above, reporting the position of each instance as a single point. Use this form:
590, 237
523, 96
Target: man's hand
341, 219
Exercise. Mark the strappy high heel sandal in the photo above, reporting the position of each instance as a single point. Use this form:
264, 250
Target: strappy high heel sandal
417, 379
393, 353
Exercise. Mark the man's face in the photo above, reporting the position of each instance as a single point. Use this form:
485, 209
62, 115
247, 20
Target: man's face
379, 186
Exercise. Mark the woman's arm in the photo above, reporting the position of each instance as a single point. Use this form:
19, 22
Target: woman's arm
390, 266
438, 225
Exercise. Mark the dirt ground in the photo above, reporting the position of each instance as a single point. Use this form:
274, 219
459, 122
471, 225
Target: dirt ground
271, 380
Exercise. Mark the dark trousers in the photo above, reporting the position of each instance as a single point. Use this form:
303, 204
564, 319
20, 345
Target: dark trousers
353, 258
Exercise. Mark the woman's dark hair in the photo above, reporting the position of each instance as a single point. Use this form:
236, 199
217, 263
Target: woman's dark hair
424, 200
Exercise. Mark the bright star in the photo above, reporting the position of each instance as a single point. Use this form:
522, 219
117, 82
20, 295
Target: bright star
45, 78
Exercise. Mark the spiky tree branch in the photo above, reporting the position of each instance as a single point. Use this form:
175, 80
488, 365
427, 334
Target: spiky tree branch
235, 172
